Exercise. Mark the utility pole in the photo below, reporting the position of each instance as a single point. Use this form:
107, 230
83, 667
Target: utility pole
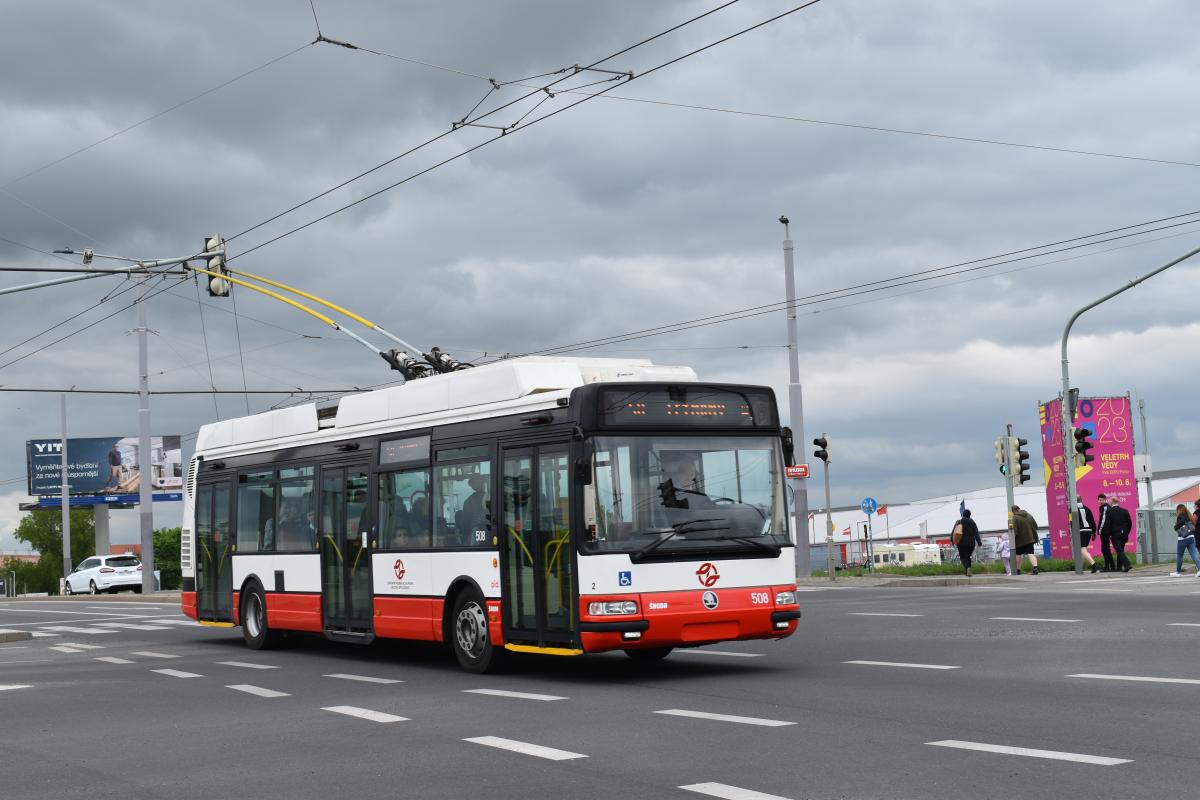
796, 410
145, 460
66, 493
1065, 417
1153, 549
1014, 560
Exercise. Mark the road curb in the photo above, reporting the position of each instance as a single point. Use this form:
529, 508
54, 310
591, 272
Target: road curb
14, 636
96, 599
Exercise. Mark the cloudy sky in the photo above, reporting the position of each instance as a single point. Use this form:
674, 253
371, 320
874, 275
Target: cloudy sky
616, 215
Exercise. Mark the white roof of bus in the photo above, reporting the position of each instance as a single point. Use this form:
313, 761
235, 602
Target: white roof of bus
490, 390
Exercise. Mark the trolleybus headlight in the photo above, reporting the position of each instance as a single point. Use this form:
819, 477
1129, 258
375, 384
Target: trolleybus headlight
602, 609
785, 598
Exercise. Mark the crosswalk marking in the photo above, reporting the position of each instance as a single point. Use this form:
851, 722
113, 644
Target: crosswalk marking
62, 648
525, 748
152, 654
131, 626
43, 635
247, 665
768, 723
257, 691
364, 678
113, 660
518, 695
1055, 755
727, 792
1032, 619
176, 673
365, 713
72, 629
84, 646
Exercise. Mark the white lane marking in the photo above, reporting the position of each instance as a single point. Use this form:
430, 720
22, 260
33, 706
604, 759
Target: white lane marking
902, 664
257, 691
727, 792
518, 695
105, 618
364, 713
175, 621
131, 626
363, 678
176, 673
247, 665
1104, 591
5, 687
1134, 678
66, 649
1033, 619
1184, 624
48, 611
700, 651
152, 654
136, 605
881, 614
84, 646
1056, 755
43, 635
681, 712
525, 747
71, 629
113, 660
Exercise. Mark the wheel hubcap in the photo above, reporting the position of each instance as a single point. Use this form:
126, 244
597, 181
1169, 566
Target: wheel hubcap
254, 610
471, 630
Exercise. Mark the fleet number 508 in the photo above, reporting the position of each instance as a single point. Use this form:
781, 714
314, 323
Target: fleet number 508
760, 598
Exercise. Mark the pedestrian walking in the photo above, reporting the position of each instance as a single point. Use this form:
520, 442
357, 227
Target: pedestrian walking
1105, 533
1119, 526
1026, 537
966, 536
1005, 553
1185, 529
1087, 529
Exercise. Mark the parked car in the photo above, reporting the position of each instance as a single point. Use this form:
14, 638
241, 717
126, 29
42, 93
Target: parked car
105, 574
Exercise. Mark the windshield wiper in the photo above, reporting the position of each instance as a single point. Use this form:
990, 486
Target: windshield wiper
675, 530
770, 547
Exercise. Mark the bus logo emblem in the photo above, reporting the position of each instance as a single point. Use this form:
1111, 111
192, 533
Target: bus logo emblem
707, 574
399, 568
710, 600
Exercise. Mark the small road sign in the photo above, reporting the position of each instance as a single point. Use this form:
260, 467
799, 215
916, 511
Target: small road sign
797, 471
869, 506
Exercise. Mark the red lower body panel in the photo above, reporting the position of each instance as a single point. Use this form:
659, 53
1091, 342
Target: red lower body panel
294, 612
409, 618
677, 619
188, 603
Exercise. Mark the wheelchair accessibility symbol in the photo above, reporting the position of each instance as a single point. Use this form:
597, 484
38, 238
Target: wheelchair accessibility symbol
625, 579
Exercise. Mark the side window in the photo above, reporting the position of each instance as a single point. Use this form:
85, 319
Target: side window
404, 510
256, 512
462, 501
297, 509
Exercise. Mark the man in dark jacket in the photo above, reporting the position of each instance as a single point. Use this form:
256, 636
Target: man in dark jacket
1119, 526
968, 540
1025, 536
1105, 533
1087, 529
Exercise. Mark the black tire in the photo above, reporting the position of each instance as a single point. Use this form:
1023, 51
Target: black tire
136, 590
67, 588
253, 615
468, 634
647, 654
92, 588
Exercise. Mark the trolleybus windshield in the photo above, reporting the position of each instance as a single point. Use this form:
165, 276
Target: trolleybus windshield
678, 495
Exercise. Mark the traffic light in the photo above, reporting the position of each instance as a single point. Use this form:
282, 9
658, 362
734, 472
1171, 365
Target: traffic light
1018, 459
822, 452
1002, 454
217, 286
1082, 445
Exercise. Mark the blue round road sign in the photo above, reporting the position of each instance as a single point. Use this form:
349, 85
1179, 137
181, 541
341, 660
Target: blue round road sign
869, 506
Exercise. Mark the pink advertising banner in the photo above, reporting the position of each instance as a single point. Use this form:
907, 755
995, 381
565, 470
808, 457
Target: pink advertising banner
1110, 420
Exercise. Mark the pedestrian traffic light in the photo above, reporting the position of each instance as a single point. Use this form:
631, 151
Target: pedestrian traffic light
218, 286
822, 452
1082, 445
1018, 460
1002, 454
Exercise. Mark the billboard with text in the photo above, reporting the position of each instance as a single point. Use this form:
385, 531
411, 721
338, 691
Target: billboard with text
103, 465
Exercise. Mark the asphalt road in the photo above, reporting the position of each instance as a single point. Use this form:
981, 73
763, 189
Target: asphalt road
130, 700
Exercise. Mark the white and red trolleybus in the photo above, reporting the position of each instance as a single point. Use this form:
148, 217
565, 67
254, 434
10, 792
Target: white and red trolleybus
544, 505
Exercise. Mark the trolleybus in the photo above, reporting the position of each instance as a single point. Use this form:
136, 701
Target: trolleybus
544, 505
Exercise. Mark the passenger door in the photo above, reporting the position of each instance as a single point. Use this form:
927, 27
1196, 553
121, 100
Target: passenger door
213, 548
537, 555
346, 548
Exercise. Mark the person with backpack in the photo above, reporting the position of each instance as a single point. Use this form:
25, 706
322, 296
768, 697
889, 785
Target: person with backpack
1185, 529
965, 537
1026, 537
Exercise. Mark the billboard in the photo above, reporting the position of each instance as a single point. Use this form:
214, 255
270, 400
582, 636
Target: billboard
1110, 420
108, 466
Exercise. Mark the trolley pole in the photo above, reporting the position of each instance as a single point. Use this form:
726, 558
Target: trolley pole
828, 527
796, 410
145, 461
1153, 549
66, 493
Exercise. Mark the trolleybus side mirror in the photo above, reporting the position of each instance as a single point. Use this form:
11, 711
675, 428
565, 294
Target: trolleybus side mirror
789, 448
583, 465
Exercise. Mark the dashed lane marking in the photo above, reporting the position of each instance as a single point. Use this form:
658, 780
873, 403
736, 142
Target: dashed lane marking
518, 695
365, 713
525, 748
727, 792
363, 678
700, 651
152, 654
768, 723
43, 635
901, 664
881, 614
113, 660
62, 648
1033, 619
83, 646
131, 626
1183, 624
6, 687
247, 665
1081, 758
257, 691
72, 629
176, 673
1135, 678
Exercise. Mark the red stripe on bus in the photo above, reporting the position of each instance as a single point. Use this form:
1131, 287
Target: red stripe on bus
294, 612
409, 617
188, 603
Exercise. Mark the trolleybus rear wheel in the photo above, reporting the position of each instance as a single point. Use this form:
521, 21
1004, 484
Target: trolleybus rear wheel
255, 630
469, 634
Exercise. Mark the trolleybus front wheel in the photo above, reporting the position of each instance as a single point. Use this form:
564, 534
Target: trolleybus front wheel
469, 634
255, 631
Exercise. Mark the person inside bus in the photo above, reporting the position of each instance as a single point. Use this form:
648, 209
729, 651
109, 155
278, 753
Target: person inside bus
681, 487
474, 514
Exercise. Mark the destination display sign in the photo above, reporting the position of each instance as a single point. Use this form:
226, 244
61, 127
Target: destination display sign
692, 406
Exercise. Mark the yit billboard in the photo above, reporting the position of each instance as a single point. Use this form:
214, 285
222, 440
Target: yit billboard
103, 466
1110, 419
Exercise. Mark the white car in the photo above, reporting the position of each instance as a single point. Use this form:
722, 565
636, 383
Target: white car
105, 574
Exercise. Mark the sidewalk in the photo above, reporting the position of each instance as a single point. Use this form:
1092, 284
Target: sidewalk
890, 580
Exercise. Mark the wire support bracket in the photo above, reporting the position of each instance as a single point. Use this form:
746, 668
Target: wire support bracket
323, 38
